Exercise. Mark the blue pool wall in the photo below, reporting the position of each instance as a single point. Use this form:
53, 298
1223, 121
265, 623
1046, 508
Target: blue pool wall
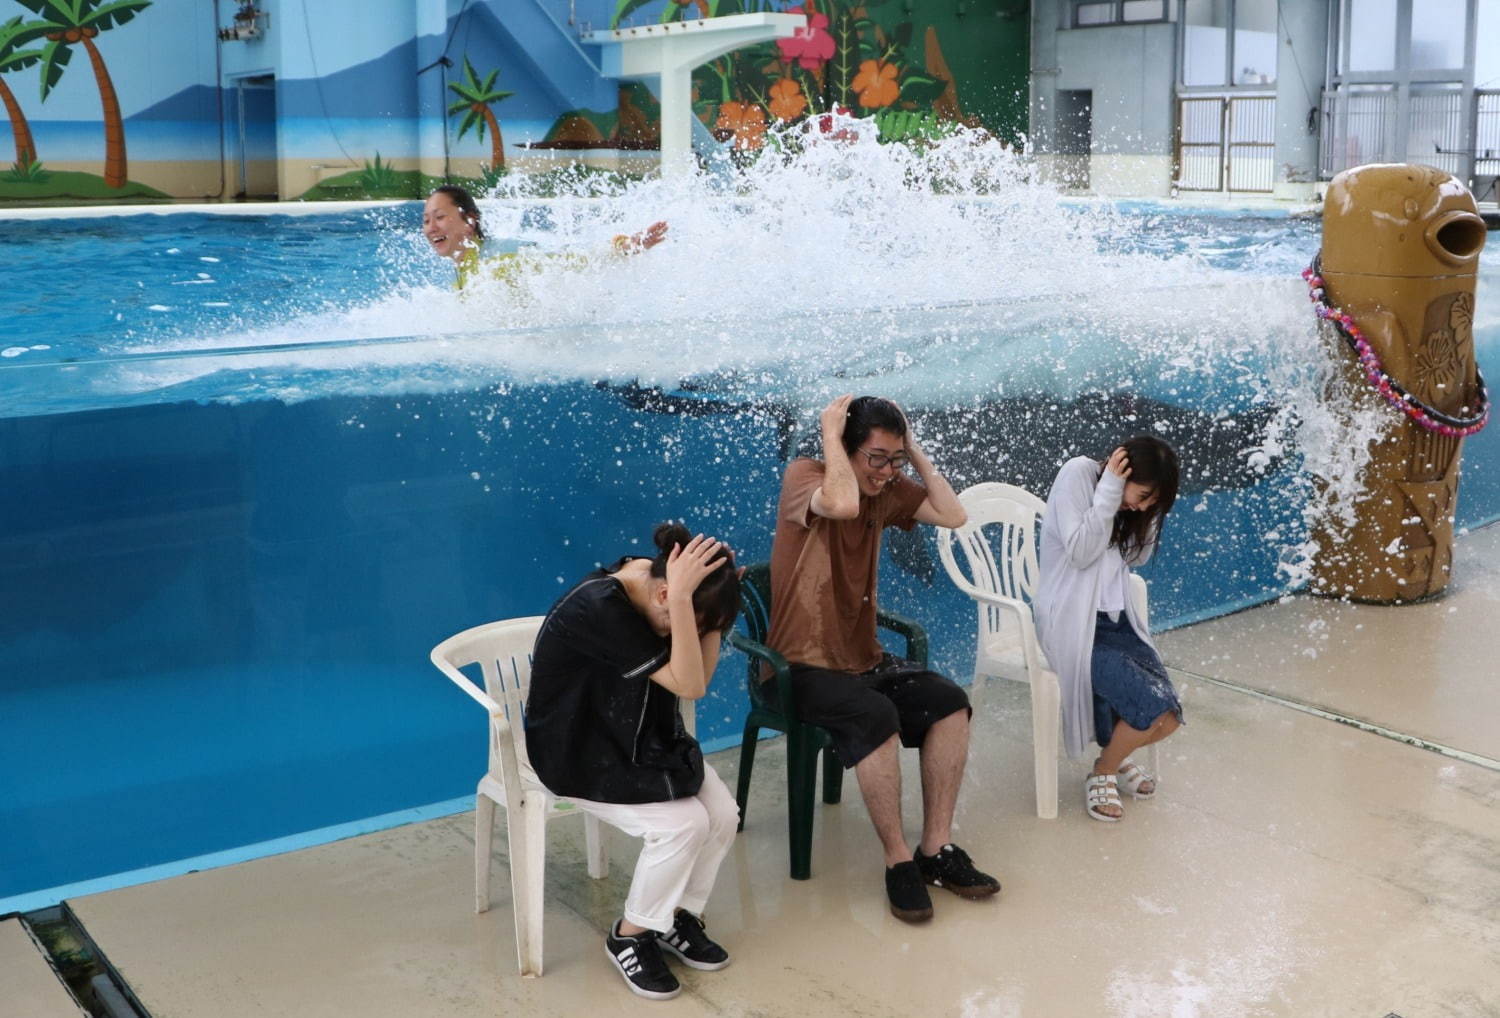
215, 619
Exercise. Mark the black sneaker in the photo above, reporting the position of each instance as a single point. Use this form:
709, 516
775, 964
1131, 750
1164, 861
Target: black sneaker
688, 941
952, 868
908, 897
639, 960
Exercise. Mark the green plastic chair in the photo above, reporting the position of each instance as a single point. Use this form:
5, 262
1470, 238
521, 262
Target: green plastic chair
804, 741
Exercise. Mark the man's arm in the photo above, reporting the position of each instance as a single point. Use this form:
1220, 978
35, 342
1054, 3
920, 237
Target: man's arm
838, 497
941, 507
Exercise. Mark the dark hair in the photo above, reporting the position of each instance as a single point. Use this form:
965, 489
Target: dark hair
716, 602
466, 205
1152, 462
868, 413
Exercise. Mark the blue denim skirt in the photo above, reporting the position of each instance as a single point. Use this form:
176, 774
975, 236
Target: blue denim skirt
1130, 682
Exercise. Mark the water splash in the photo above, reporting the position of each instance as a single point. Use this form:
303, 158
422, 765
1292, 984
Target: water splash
947, 277
945, 273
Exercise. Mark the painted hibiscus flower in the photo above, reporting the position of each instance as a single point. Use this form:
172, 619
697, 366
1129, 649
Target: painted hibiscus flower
787, 101
745, 122
810, 45
876, 84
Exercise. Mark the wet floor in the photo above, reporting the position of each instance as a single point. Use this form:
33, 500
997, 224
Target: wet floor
1292, 864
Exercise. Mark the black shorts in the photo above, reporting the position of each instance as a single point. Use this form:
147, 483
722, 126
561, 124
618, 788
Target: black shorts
862, 710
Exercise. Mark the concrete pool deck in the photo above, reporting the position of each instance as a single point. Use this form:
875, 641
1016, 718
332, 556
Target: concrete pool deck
1292, 865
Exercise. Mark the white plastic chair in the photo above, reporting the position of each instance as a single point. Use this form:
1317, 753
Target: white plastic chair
503, 652
1002, 578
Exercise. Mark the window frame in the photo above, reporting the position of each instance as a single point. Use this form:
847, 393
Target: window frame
1341, 41
1117, 17
1228, 87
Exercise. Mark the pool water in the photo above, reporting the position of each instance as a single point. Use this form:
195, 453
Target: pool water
271, 460
81, 287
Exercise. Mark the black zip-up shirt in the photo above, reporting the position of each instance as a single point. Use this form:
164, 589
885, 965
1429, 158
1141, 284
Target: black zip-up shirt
597, 727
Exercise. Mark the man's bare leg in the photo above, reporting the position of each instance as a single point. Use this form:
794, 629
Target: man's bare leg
879, 776
944, 753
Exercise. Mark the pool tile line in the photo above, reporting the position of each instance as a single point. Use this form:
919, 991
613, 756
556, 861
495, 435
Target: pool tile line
31, 901
1452, 752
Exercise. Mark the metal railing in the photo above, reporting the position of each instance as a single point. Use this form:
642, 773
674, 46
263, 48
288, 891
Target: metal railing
1251, 159
1200, 144
1358, 128
1442, 126
1435, 131
1487, 145
1226, 143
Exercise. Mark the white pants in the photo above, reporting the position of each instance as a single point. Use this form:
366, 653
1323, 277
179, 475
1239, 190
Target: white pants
686, 840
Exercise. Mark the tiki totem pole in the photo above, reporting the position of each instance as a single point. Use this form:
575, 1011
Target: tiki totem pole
1400, 255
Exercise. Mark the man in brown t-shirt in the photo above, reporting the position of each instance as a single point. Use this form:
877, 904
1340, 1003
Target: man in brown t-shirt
824, 567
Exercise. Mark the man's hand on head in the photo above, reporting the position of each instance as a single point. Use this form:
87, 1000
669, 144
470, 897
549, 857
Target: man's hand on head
835, 417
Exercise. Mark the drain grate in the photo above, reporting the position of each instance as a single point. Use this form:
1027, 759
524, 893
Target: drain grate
93, 981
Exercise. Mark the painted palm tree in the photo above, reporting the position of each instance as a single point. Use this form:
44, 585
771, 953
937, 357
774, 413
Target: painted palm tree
474, 99
13, 57
66, 23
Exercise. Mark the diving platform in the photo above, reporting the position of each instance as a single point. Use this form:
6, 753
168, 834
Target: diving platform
668, 53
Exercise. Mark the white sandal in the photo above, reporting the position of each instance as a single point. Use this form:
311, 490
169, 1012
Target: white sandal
1132, 778
1100, 790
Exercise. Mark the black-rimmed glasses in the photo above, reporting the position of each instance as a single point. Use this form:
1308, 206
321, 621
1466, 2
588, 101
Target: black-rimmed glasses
879, 459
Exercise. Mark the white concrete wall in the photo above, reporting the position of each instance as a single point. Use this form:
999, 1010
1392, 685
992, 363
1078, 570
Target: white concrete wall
1130, 69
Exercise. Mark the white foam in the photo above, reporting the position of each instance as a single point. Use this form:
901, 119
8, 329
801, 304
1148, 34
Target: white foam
947, 276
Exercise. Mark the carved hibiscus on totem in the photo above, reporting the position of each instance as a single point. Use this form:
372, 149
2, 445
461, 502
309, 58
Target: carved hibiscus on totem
1440, 362
1461, 317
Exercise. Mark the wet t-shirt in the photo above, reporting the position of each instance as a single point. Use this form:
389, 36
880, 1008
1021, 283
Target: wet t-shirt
597, 727
824, 572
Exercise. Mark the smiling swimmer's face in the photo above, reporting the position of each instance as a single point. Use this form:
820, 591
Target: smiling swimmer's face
445, 226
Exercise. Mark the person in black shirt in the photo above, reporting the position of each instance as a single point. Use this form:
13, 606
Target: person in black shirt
612, 659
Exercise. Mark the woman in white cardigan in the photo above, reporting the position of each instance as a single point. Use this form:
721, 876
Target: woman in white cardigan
1102, 519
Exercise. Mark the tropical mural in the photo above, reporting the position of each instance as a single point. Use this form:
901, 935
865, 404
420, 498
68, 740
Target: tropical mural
64, 25
884, 59
175, 105
47, 39
475, 101
14, 56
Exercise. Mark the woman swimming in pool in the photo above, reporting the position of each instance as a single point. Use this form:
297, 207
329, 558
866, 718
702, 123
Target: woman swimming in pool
451, 223
1102, 519
611, 661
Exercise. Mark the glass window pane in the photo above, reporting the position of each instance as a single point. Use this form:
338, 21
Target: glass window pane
1437, 34
1144, 10
1094, 14
1487, 52
1205, 41
1255, 42
1372, 36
